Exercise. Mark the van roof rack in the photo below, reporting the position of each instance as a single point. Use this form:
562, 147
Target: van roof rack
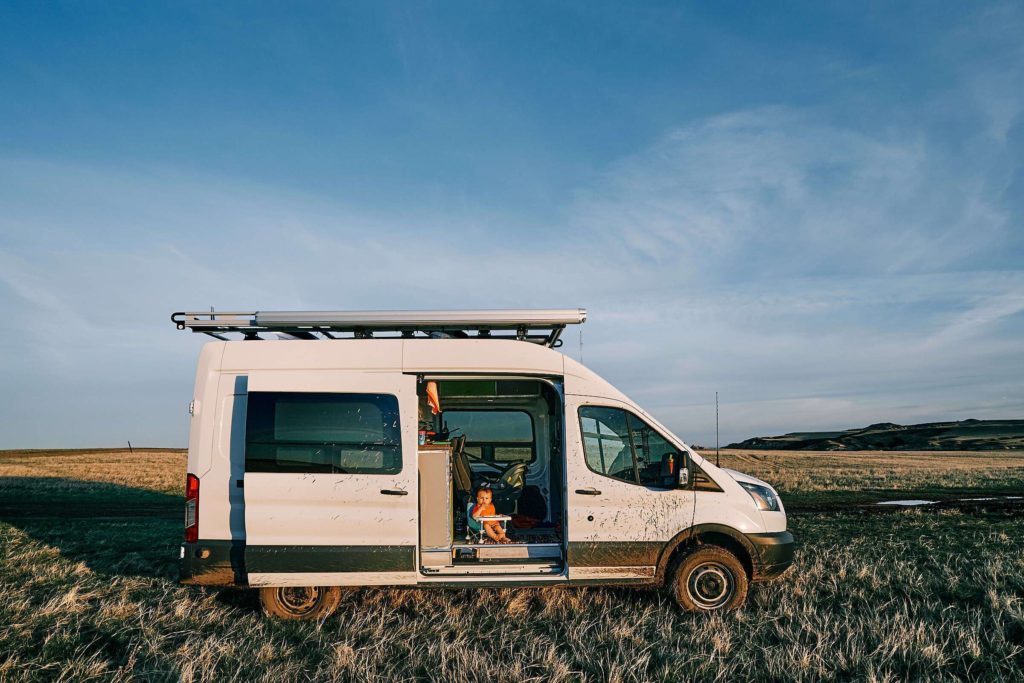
541, 326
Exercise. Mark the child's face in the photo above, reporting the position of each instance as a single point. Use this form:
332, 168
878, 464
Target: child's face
483, 497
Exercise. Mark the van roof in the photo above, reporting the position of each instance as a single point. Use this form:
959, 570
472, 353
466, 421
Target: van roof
543, 326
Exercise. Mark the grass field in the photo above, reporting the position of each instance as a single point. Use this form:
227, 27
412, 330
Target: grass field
908, 595
807, 477
153, 476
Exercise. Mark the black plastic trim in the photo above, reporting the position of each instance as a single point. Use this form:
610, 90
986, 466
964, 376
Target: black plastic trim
272, 559
773, 553
228, 563
769, 554
702, 482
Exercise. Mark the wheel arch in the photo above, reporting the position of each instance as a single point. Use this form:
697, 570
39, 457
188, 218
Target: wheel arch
719, 535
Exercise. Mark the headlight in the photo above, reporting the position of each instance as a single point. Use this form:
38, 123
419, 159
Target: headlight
764, 498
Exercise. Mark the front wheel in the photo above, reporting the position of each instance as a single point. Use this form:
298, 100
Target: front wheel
300, 602
710, 579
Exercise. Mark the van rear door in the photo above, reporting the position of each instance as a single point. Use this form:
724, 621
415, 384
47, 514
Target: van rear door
330, 478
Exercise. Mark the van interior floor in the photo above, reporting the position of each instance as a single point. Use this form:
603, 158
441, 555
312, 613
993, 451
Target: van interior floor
524, 553
519, 537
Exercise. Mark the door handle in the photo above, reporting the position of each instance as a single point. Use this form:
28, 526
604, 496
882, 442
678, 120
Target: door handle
588, 492
394, 492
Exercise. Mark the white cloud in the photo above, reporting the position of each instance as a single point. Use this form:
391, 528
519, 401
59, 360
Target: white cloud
775, 192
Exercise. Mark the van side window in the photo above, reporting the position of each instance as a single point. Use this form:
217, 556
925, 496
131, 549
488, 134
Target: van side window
323, 433
606, 442
656, 458
620, 445
500, 436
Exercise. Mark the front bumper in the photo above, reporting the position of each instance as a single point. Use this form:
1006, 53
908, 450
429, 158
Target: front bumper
773, 554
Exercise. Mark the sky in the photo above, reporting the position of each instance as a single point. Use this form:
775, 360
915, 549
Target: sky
814, 209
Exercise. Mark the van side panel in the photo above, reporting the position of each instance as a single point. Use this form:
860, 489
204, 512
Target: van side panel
719, 507
479, 355
361, 355
582, 381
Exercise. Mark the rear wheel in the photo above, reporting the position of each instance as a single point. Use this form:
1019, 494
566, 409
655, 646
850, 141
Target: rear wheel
710, 579
300, 602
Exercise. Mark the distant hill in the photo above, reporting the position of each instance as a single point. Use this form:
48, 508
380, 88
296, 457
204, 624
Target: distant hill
965, 435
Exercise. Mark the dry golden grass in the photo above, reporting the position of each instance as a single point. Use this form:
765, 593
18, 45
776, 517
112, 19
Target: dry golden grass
801, 477
905, 596
864, 476
160, 471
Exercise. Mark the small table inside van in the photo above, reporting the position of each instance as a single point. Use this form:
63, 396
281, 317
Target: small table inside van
481, 537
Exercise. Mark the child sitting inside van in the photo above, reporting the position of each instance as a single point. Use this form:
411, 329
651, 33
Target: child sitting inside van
485, 508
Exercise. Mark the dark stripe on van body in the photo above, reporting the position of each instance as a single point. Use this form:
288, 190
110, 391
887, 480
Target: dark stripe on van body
274, 559
227, 563
614, 553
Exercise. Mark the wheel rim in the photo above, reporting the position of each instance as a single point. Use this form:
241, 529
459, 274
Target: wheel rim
710, 585
299, 601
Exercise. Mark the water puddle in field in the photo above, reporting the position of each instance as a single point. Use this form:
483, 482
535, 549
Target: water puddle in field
908, 503
1013, 503
949, 502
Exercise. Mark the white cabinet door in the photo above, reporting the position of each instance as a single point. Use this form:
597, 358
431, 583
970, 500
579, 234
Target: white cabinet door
622, 507
330, 478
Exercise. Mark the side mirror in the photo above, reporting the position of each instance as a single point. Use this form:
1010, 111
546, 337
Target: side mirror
684, 478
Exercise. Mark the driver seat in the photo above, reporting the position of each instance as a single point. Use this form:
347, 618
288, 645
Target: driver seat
462, 473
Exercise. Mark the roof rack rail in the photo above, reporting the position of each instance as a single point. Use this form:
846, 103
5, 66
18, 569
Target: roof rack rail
541, 326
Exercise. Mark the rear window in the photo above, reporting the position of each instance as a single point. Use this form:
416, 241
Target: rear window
323, 433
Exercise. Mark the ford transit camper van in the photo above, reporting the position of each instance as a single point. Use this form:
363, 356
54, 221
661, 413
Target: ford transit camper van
447, 448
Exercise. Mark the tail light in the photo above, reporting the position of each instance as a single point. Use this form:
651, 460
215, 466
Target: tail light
191, 508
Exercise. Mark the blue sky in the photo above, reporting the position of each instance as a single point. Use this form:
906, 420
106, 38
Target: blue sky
816, 209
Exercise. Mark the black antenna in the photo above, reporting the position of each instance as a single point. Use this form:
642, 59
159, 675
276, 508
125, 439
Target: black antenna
581, 345
718, 457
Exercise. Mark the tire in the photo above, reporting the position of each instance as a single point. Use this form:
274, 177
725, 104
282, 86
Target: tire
710, 579
300, 603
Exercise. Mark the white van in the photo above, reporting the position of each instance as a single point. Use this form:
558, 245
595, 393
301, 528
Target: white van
317, 461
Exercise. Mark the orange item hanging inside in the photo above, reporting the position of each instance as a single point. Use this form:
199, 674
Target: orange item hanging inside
432, 399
